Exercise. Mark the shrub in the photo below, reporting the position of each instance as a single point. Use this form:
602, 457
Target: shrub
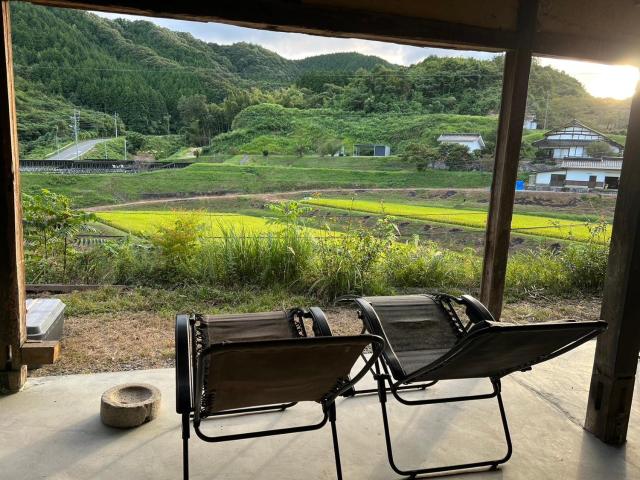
428, 267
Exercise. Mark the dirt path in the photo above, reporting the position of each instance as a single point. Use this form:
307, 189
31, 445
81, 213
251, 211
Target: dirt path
270, 196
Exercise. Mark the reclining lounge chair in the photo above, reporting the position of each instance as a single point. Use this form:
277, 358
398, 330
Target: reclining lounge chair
426, 341
238, 364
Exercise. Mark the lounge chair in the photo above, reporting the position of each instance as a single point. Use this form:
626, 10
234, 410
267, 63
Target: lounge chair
239, 364
426, 341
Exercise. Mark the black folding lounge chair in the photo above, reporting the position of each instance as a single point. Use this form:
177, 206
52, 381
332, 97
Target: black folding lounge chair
238, 364
426, 341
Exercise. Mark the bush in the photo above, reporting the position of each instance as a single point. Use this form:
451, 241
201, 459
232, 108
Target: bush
330, 146
428, 267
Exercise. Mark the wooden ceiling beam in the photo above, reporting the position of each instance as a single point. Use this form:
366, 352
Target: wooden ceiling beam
290, 16
300, 17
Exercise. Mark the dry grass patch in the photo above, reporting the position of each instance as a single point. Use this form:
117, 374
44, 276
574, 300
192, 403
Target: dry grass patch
135, 340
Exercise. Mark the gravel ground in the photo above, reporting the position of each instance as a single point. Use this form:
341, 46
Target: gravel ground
142, 340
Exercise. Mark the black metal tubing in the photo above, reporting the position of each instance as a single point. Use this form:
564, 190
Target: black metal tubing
353, 392
185, 446
184, 371
412, 473
239, 411
261, 433
334, 436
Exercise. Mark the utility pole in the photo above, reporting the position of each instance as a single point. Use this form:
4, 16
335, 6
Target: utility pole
546, 111
115, 121
125, 149
57, 145
168, 117
76, 121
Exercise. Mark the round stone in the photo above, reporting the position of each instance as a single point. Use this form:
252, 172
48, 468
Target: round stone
129, 405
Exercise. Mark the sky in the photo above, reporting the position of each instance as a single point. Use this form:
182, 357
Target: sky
599, 80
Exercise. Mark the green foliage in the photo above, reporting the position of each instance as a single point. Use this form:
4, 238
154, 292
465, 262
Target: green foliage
287, 130
422, 155
135, 141
330, 146
49, 226
163, 82
599, 149
455, 156
369, 261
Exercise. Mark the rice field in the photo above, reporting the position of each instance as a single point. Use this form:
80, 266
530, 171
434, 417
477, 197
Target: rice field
145, 223
524, 224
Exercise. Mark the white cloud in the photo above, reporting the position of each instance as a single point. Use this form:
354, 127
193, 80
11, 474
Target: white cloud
599, 80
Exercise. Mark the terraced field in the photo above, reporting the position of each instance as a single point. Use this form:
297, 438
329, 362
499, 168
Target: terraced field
144, 223
525, 224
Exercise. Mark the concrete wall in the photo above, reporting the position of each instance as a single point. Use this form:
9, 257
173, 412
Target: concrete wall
577, 177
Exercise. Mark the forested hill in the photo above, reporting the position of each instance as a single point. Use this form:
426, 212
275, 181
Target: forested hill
162, 81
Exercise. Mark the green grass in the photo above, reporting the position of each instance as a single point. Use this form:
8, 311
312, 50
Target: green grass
526, 224
288, 130
203, 178
145, 223
315, 161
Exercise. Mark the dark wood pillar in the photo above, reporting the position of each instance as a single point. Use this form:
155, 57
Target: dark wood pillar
616, 359
12, 294
517, 64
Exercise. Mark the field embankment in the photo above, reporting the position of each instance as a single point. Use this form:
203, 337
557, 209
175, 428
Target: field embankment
525, 224
202, 179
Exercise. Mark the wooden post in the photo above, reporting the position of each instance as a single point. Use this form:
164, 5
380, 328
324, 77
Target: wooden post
12, 293
517, 64
616, 358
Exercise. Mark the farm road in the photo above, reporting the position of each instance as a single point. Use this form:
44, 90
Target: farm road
270, 196
70, 152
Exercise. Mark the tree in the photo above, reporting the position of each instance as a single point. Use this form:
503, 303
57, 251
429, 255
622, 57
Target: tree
422, 155
455, 156
329, 146
599, 149
49, 222
135, 142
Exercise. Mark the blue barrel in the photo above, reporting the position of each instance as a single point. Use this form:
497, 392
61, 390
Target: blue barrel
519, 184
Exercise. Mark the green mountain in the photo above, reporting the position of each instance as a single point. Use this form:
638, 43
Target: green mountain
160, 81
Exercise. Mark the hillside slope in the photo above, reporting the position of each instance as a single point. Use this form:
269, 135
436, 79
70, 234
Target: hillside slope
160, 80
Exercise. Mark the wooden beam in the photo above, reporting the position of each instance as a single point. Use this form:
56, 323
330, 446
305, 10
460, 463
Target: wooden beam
616, 358
607, 46
324, 20
517, 65
35, 353
13, 328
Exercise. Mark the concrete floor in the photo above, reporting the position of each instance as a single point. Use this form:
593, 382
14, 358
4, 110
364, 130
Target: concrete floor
52, 430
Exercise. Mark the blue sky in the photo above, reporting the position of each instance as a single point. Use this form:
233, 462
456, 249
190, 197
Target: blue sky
600, 80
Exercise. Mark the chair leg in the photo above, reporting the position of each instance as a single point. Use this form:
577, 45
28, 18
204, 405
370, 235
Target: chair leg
493, 464
334, 434
185, 446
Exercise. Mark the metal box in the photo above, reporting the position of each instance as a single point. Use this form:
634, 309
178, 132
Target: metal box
45, 318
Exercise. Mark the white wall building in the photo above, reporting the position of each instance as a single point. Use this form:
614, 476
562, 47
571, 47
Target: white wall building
530, 122
473, 141
581, 173
572, 140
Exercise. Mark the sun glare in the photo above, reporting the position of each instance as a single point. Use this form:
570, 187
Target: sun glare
611, 81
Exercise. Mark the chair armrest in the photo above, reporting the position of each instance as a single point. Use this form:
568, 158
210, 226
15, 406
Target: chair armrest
184, 365
320, 324
475, 310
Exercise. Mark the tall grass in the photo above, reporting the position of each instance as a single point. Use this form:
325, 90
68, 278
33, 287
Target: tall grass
357, 262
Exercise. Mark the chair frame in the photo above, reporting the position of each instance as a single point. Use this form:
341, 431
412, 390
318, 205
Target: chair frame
189, 382
385, 384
